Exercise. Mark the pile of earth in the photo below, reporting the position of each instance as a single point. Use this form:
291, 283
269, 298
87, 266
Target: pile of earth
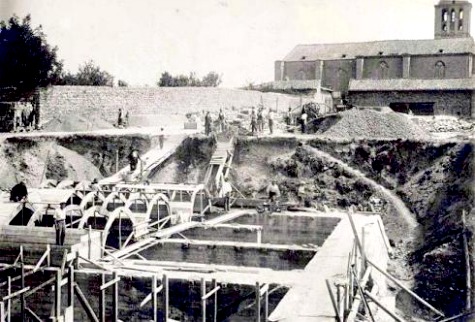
76, 123
24, 159
366, 123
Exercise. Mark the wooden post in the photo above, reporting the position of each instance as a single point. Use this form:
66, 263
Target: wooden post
154, 298
363, 259
259, 236
165, 297
115, 299
120, 230
266, 305
258, 302
9, 301
355, 233
102, 300
71, 287
116, 161
57, 297
214, 284
2, 312
89, 242
22, 296
332, 297
203, 301
468, 278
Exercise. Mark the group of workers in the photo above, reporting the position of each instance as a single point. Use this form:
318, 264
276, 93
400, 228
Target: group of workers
257, 120
222, 122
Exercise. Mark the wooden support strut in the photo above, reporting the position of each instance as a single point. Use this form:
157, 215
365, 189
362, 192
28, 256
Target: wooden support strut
85, 304
414, 295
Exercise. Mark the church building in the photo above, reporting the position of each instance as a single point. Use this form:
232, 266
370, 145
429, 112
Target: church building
434, 76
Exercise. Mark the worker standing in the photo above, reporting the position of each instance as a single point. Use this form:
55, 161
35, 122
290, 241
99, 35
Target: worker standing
226, 190
303, 121
260, 120
207, 123
273, 193
133, 160
161, 138
120, 118
270, 117
60, 224
221, 119
289, 116
253, 122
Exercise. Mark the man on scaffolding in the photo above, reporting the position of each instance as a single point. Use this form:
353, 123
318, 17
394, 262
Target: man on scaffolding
273, 193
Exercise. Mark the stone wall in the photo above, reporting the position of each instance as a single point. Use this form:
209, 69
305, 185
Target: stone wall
449, 103
104, 102
423, 67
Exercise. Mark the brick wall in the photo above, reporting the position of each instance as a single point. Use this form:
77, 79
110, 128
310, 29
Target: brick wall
372, 69
104, 102
337, 73
450, 103
423, 67
301, 70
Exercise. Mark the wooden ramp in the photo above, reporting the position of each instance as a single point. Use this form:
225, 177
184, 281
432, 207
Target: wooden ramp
220, 164
150, 161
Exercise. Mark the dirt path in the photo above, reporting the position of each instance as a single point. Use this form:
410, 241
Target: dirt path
396, 202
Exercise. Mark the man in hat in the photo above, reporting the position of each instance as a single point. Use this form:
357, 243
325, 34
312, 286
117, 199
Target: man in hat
60, 224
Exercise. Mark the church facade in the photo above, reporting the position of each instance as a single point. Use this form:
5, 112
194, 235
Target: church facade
434, 76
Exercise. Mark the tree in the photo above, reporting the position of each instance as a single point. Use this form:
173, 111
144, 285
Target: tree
166, 80
122, 83
212, 79
27, 62
91, 75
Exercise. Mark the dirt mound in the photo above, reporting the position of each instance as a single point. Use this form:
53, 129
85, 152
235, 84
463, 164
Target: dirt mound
76, 123
373, 124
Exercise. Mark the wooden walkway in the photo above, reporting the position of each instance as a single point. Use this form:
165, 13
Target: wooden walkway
150, 161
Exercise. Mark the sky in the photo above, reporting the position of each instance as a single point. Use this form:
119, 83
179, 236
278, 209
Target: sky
138, 40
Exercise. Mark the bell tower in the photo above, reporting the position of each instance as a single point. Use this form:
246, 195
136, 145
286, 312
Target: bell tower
452, 19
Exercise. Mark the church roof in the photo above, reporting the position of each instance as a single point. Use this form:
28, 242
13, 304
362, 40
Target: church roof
407, 84
383, 48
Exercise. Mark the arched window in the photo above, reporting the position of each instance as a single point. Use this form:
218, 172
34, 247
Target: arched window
444, 27
460, 26
440, 69
461, 14
383, 70
445, 16
452, 15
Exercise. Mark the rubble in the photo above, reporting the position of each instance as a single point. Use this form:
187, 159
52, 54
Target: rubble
373, 124
442, 124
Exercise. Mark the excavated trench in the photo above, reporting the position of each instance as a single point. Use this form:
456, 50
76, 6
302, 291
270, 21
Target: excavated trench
423, 186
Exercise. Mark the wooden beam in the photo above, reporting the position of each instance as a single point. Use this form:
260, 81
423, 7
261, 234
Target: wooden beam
85, 304
381, 306
414, 295
43, 257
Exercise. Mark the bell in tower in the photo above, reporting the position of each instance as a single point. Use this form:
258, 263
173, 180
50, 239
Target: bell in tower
452, 19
